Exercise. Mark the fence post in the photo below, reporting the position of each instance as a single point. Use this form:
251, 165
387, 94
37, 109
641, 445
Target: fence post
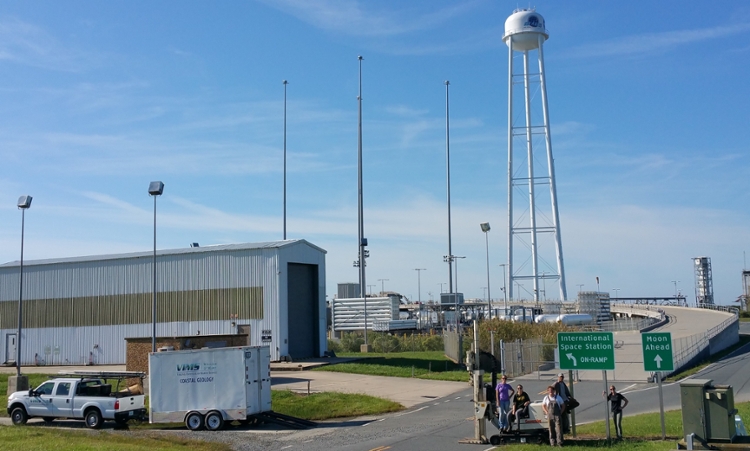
502, 356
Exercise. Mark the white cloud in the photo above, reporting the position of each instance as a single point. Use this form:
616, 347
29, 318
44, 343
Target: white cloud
356, 18
28, 44
650, 43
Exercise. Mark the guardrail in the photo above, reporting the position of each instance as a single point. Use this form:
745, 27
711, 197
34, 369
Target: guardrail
687, 348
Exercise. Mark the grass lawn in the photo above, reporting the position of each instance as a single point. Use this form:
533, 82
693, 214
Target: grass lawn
423, 365
14, 438
327, 405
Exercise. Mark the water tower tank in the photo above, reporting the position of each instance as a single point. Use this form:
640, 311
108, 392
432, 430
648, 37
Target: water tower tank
525, 25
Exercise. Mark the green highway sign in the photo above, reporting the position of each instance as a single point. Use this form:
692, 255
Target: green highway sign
657, 351
586, 350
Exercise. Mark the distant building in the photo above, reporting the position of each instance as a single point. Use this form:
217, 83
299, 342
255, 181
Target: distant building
348, 290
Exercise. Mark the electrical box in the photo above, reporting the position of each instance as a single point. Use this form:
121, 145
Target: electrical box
721, 411
707, 410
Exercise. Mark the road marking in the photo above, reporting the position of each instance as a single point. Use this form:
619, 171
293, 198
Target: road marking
288, 446
407, 413
458, 397
381, 448
436, 404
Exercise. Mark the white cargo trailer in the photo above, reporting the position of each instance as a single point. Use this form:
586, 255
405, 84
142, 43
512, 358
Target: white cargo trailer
208, 387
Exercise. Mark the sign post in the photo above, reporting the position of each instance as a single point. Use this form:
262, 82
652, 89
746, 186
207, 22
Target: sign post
588, 351
657, 358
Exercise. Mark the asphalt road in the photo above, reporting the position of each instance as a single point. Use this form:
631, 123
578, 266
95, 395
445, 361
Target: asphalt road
440, 424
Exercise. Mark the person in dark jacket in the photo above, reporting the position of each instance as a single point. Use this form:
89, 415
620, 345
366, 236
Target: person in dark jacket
616, 402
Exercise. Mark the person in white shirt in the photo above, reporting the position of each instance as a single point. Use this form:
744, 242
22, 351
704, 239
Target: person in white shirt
554, 407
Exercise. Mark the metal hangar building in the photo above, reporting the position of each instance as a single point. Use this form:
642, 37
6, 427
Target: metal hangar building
79, 310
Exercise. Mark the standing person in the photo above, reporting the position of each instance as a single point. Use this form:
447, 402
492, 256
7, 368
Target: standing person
562, 391
615, 399
520, 408
503, 393
554, 407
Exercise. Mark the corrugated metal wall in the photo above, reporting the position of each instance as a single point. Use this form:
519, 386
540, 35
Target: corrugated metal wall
78, 310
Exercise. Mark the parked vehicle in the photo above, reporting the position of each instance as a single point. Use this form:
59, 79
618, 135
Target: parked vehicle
83, 395
208, 387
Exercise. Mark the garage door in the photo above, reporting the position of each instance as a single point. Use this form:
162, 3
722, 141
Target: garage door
303, 310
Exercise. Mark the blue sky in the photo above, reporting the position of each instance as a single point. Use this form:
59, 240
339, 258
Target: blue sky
648, 105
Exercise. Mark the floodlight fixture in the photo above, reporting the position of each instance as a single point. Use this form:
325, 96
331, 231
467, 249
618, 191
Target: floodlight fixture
485, 226
24, 202
156, 188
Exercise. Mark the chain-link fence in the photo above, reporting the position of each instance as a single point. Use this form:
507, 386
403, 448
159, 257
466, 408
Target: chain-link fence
516, 358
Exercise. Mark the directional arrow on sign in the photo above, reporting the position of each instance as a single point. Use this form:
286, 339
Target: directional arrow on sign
658, 360
571, 357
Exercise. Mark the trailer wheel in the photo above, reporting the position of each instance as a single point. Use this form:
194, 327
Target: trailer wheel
214, 421
94, 419
495, 440
19, 416
194, 421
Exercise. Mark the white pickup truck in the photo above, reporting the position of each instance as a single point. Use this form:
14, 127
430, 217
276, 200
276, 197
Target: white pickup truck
83, 396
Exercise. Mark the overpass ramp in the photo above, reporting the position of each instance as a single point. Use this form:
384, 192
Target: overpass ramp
696, 334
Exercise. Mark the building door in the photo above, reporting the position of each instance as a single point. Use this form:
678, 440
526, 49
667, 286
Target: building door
244, 329
303, 310
10, 347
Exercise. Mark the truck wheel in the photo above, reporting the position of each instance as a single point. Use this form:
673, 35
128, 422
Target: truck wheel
495, 440
214, 421
19, 416
94, 419
194, 421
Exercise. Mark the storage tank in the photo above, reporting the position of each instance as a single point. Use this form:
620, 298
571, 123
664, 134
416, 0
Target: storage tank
578, 319
525, 25
546, 318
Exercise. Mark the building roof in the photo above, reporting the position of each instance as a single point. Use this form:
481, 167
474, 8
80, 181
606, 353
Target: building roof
188, 250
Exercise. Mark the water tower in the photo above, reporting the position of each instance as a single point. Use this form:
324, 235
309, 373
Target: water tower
534, 243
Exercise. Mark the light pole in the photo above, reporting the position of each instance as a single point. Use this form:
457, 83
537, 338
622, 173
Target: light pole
455, 295
361, 215
616, 290
24, 203
382, 285
518, 290
505, 291
155, 189
441, 287
579, 285
486, 228
448, 183
285, 83
419, 283
675, 282
369, 287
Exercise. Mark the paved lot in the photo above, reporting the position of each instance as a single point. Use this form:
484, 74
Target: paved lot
405, 391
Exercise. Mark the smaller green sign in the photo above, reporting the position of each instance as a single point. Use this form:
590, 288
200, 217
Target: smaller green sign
657, 351
586, 350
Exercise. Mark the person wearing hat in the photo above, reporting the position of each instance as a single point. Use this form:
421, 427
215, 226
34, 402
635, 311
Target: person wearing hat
562, 391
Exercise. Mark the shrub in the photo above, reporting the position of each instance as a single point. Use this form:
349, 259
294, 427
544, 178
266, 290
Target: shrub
385, 343
351, 342
334, 345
